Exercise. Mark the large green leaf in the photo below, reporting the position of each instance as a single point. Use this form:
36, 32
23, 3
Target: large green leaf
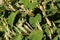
33, 20
11, 18
36, 35
18, 37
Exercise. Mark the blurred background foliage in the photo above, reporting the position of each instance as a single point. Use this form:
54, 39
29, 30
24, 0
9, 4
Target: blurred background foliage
29, 19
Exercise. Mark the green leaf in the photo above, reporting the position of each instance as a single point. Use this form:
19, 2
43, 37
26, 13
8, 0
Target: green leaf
58, 31
48, 1
33, 20
55, 38
2, 8
18, 37
11, 18
33, 5
58, 5
26, 38
25, 2
38, 18
36, 35
46, 27
28, 4
57, 21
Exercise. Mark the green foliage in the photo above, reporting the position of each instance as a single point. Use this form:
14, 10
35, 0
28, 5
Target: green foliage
46, 27
36, 35
28, 4
11, 18
18, 37
33, 20
30, 20
56, 38
57, 21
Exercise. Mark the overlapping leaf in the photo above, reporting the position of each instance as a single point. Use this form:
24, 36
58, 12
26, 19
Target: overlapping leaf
33, 20
12, 17
18, 37
36, 35
28, 4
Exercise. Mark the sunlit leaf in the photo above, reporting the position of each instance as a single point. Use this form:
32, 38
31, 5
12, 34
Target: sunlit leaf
38, 18
11, 18
36, 35
33, 20
18, 37
55, 38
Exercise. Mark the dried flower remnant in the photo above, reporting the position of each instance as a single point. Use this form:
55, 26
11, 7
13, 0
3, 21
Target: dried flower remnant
1, 2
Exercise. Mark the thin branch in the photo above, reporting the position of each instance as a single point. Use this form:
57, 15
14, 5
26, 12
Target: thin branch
29, 26
20, 26
43, 8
